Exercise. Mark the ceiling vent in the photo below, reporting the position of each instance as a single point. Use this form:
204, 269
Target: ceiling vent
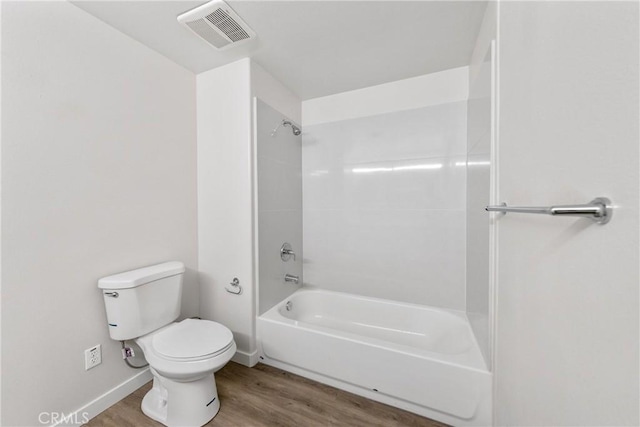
217, 24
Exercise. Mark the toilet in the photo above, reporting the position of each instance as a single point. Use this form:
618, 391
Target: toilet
142, 305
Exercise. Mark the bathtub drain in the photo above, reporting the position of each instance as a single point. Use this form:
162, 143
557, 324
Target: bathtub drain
288, 306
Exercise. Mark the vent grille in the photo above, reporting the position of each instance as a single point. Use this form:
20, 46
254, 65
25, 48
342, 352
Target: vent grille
225, 23
217, 24
206, 32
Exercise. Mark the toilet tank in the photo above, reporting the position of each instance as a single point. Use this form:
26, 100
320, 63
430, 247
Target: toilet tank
142, 300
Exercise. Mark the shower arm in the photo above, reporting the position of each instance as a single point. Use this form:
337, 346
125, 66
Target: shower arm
295, 129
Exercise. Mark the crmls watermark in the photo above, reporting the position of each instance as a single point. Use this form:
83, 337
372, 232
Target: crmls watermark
62, 418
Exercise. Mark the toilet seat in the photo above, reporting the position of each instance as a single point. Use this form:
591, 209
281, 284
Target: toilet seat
177, 353
191, 340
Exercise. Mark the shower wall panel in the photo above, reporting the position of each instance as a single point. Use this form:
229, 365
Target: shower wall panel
279, 190
480, 169
384, 205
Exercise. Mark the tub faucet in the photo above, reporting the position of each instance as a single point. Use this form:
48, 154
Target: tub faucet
291, 278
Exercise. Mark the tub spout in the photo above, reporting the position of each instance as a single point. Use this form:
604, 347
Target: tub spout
291, 278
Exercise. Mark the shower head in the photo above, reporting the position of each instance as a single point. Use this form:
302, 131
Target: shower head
295, 129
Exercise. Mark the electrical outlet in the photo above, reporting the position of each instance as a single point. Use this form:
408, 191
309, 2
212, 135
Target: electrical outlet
92, 357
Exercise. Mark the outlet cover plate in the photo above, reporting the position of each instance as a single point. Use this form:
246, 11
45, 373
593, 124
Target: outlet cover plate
92, 357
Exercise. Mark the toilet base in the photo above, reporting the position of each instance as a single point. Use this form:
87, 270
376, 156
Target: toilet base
181, 404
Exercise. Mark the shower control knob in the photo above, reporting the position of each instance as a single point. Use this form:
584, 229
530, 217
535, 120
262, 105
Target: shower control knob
286, 252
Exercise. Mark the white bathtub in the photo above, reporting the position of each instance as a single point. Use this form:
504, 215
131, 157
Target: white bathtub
418, 358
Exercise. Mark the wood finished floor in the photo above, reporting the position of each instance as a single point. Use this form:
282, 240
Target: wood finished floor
266, 396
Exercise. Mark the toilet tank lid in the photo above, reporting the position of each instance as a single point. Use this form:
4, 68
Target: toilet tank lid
140, 276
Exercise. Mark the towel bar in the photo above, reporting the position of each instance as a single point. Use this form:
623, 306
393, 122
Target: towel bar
599, 210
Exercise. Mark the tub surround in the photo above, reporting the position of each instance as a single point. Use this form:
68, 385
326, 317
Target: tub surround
279, 205
481, 183
384, 187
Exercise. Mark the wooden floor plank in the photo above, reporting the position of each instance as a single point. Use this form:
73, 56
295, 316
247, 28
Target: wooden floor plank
264, 396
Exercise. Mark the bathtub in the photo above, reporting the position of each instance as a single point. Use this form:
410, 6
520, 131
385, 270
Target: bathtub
418, 358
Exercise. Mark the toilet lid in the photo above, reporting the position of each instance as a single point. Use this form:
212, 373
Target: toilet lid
192, 338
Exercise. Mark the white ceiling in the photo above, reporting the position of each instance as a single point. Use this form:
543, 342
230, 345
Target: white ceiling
315, 48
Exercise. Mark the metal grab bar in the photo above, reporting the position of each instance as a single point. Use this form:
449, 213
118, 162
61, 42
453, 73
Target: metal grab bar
599, 210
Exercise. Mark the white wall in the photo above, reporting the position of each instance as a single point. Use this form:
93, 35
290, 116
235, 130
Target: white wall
98, 176
568, 324
384, 190
265, 87
226, 199
480, 181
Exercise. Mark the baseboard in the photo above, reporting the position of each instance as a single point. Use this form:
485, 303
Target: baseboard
246, 359
110, 398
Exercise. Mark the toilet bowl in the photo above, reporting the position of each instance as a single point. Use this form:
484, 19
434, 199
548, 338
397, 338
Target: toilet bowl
142, 305
183, 357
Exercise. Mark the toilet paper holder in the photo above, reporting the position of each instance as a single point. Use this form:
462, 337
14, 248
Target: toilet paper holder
235, 289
